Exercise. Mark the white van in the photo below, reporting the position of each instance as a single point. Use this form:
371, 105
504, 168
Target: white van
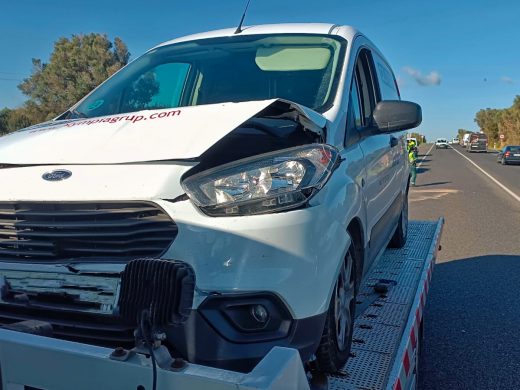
465, 139
271, 162
441, 143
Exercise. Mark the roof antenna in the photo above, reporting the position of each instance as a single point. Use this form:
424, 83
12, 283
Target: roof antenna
239, 28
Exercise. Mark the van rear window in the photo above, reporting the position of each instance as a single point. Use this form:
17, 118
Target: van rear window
478, 137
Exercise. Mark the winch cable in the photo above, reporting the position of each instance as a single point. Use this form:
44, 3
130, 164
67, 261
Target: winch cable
145, 329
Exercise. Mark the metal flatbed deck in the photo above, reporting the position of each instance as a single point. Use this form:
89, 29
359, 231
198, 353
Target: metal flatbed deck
387, 328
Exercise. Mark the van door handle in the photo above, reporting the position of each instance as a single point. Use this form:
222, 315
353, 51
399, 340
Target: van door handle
393, 141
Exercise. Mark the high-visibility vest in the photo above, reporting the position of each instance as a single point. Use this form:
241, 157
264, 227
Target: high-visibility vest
411, 157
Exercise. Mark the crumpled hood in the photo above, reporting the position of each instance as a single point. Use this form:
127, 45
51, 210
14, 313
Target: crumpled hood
151, 135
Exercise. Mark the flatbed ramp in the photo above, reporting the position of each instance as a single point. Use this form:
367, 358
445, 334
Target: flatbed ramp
384, 354
387, 329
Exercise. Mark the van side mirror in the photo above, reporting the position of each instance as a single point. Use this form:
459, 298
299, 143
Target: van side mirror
396, 115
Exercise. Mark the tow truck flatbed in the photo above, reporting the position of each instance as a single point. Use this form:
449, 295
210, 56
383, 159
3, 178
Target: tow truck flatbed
384, 352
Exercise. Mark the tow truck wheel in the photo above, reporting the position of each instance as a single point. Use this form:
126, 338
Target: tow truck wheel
336, 340
399, 238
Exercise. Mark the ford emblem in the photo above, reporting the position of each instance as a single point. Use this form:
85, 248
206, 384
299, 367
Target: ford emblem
57, 175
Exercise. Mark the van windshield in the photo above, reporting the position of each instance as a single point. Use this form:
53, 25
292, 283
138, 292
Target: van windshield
302, 68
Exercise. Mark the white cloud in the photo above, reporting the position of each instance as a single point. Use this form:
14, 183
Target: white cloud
401, 82
432, 78
507, 80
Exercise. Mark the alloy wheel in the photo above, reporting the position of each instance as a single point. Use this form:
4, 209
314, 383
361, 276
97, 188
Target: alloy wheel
343, 302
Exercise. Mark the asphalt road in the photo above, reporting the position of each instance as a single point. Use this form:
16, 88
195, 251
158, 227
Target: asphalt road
472, 319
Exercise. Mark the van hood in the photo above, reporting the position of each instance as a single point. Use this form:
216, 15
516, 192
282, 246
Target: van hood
151, 135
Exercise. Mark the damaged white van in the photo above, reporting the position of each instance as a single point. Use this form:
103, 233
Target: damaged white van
270, 163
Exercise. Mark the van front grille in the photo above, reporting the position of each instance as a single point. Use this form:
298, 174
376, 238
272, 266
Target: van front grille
49, 231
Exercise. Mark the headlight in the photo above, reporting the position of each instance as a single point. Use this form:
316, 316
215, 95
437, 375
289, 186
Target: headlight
262, 184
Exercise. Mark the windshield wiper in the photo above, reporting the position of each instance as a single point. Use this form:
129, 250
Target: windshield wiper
75, 114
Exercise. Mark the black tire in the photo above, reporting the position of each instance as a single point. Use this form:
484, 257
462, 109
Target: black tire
336, 340
401, 233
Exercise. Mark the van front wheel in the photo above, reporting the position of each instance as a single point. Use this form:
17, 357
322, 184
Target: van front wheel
336, 340
401, 232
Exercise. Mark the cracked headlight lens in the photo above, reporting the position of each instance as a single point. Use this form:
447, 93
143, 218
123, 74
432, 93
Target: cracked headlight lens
261, 184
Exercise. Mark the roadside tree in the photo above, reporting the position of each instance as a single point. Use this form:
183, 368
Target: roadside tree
496, 122
4, 117
76, 66
487, 119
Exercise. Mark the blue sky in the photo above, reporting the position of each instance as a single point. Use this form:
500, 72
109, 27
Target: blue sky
466, 51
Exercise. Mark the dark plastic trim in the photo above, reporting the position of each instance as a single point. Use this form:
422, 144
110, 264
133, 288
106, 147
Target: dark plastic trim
201, 340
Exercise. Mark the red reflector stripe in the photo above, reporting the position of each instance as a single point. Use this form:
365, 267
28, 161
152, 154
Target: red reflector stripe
412, 338
398, 385
406, 363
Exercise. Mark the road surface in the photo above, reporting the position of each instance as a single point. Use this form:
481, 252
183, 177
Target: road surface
472, 320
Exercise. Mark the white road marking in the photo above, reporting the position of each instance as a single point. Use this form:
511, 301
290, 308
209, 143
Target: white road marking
515, 196
427, 153
448, 191
437, 193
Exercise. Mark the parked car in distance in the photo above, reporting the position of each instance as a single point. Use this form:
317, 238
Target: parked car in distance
455, 141
441, 143
242, 156
477, 142
510, 154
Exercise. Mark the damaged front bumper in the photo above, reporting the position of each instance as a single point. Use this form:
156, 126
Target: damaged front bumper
45, 363
233, 258
294, 254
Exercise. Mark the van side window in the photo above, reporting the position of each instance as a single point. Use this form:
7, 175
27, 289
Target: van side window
362, 99
387, 84
355, 106
366, 85
354, 117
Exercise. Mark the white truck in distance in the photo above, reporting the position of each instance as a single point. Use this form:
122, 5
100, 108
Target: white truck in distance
271, 164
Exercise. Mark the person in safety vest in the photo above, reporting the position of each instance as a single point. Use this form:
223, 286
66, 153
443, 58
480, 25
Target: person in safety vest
412, 159
413, 146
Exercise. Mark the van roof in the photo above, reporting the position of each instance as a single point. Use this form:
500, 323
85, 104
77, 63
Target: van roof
347, 32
